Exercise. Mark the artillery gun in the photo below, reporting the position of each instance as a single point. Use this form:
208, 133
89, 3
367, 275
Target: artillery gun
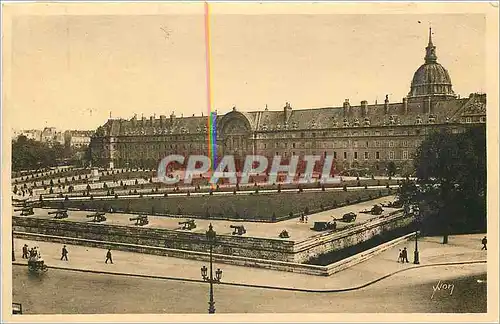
188, 224
284, 234
347, 218
375, 210
324, 226
97, 217
393, 204
140, 220
25, 211
60, 213
238, 229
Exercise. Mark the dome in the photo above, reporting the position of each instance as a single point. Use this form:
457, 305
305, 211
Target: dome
431, 79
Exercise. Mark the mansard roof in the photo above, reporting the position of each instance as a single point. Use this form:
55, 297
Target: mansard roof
442, 111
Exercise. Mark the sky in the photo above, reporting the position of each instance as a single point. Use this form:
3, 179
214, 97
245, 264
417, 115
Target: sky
74, 71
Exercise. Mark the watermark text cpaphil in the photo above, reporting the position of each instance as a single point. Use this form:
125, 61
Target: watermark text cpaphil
253, 165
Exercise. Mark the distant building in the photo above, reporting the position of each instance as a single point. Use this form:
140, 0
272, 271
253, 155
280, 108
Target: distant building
51, 135
33, 134
77, 138
365, 136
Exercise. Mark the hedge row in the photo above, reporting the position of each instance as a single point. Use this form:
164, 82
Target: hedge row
52, 174
148, 188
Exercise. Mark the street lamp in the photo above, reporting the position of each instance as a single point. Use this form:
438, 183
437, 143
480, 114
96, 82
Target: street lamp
416, 213
209, 277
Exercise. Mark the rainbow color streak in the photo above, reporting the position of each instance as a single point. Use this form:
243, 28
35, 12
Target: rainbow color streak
211, 116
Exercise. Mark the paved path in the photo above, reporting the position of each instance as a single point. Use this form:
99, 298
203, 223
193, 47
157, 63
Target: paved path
461, 249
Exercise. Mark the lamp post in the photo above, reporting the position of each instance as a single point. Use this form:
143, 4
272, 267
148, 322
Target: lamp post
416, 213
209, 277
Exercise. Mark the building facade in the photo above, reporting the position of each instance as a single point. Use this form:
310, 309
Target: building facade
50, 135
364, 136
33, 134
77, 138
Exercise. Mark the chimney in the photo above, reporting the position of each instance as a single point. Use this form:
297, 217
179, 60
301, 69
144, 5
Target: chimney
405, 105
347, 107
288, 111
364, 108
386, 104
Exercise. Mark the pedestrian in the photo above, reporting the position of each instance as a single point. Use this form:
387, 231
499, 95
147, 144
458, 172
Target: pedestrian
25, 251
301, 217
64, 253
108, 257
405, 255
484, 241
400, 256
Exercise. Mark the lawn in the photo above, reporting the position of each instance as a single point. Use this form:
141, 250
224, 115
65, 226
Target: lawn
255, 206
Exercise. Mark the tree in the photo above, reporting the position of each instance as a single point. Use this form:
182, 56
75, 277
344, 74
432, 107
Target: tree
391, 169
451, 173
408, 194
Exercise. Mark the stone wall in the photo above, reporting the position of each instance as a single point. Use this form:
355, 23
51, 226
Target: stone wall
327, 242
238, 246
272, 249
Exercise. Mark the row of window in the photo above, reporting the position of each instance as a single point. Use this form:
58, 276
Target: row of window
391, 155
468, 120
405, 155
390, 132
345, 144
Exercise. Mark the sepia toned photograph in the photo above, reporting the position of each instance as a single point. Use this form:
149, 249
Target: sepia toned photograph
260, 159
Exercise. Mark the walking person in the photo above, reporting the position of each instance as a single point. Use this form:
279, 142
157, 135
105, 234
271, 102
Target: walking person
405, 255
400, 256
108, 257
25, 251
64, 253
483, 242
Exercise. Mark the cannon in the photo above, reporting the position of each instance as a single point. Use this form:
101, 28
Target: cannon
188, 224
284, 234
393, 204
60, 213
98, 217
347, 218
140, 220
324, 226
238, 229
375, 210
25, 211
